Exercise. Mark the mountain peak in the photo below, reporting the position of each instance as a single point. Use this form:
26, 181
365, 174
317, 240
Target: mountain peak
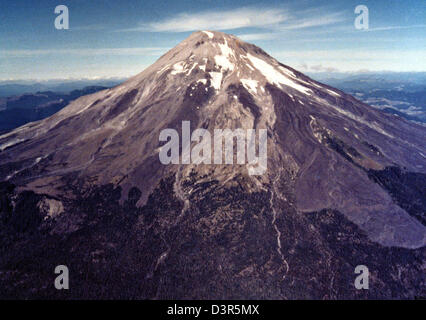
211, 34
226, 60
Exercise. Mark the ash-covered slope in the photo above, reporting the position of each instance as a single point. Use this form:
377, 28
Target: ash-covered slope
344, 183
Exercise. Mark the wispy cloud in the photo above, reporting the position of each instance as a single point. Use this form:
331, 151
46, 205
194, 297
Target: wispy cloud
83, 52
354, 60
323, 35
258, 36
216, 20
317, 68
316, 21
91, 27
350, 54
274, 20
292, 20
396, 27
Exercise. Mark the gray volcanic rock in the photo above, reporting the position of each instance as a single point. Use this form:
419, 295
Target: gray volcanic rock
340, 174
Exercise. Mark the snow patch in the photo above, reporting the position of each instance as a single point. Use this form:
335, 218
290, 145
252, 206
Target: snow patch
10, 143
192, 68
164, 68
223, 60
226, 50
274, 76
216, 80
250, 85
333, 93
178, 68
316, 85
287, 72
209, 34
250, 67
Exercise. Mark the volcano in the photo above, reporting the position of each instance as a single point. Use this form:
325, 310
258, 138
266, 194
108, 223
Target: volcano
344, 186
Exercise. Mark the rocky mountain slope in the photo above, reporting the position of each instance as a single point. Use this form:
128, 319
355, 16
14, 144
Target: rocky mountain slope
344, 186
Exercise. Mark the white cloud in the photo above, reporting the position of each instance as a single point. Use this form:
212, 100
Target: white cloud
297, 20
92, 27
83, 52
258, 36
318, 68
315, 21
354, 60
217, 20
350, 54
275, 19
396, 27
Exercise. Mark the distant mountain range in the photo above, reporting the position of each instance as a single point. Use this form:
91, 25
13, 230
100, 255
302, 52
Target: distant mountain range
17, 87
16, 111
398, 93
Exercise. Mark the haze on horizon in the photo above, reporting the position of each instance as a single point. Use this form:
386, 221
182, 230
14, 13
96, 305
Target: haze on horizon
108, 38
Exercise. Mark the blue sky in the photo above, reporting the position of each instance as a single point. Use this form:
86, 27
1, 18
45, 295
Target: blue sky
111, 38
